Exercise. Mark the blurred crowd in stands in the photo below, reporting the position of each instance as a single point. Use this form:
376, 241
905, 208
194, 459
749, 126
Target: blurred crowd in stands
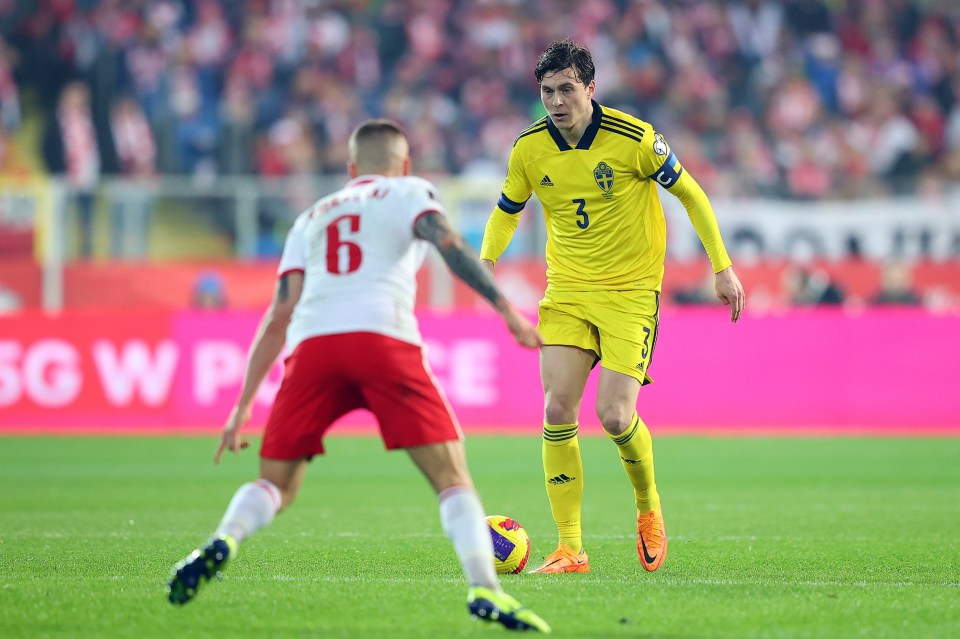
801, 99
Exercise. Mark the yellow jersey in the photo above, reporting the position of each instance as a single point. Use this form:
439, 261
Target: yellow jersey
605, 224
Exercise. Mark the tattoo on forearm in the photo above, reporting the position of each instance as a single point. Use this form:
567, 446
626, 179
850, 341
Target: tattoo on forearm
464, 264
459, 257
283, 288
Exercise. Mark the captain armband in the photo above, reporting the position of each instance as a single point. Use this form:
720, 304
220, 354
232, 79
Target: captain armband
668, 174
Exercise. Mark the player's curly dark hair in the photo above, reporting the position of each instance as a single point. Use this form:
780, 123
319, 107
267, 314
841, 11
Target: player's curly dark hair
563, 54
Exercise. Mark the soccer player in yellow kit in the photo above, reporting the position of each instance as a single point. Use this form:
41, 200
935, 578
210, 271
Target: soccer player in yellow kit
596, 171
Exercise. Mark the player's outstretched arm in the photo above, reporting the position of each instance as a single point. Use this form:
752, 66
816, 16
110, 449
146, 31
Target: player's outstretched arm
694, 200
463, 262
730, 292
267, 346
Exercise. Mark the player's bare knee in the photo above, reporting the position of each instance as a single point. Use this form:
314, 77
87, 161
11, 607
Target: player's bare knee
560, 410
614, 419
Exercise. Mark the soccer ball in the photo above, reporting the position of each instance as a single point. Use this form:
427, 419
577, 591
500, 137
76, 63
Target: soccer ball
511, 545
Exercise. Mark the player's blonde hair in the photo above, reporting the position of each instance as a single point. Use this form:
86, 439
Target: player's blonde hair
378, 145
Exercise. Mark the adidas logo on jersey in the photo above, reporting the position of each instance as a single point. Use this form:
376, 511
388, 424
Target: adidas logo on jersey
546, 181
560, 479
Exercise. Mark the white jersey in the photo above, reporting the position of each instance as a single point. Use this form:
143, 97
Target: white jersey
359, 256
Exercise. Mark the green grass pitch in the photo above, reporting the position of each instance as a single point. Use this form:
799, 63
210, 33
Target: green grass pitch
769, 537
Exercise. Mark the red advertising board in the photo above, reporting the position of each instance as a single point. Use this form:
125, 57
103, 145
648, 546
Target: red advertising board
98, 285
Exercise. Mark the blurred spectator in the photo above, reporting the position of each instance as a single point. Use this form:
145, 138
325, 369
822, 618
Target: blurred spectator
209, 39
288, 148
193, 122
254, 63
703, 293
756, 25
70, 149
133, 198
145, 62
746, 150
795, 107
11, 164
877, 81
931, 126
209, 292
235, 152
812, 286
822, 64
807, 176
888, 139
807, 17
896, 286
9, 94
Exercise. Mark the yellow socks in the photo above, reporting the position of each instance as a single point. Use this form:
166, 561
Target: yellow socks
563, 474
636, 453
563, 477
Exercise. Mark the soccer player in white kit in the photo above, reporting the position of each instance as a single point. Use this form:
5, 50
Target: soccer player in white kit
344, 303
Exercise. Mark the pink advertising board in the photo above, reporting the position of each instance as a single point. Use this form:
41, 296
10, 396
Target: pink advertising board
883, 371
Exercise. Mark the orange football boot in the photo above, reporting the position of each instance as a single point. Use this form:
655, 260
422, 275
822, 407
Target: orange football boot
563, 559
651, 539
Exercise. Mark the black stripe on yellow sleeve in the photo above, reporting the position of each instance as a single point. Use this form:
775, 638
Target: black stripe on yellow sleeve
623, 124
623, 133
530, 132
542, 121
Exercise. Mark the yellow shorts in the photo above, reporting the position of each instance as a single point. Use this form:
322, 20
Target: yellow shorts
619, 326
